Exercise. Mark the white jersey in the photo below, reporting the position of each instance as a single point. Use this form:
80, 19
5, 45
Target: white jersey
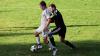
44, 17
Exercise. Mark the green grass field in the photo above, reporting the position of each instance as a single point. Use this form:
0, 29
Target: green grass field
19, 18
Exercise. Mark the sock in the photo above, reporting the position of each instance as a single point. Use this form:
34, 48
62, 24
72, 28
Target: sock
50, 45
38, 40
51, 42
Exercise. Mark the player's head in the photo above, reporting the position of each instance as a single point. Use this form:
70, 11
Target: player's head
52, 7
42, 5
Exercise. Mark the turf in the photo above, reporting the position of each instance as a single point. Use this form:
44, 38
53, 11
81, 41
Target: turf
19, 19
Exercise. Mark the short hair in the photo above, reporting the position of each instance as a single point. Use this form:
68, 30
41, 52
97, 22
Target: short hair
42, 3
52, 5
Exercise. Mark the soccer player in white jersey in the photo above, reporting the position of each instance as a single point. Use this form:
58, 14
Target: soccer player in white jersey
44, 17
46, 14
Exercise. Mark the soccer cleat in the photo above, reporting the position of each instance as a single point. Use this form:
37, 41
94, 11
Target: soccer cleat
50, 49
54, 52
39, 46
73, 47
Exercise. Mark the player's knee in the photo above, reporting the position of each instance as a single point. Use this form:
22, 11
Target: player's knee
36, 34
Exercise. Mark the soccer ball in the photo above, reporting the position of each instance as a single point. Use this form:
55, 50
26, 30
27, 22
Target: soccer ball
33, 48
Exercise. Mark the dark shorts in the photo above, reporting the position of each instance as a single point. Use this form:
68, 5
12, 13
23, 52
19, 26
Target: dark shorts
61, 32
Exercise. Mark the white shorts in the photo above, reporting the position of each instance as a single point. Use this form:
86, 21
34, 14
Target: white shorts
40, 30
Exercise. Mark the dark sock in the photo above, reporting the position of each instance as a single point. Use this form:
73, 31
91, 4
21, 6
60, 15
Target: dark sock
69, 44
52, 41
39, 44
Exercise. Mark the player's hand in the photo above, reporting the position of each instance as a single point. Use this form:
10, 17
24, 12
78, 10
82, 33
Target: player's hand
50, 34
52, 21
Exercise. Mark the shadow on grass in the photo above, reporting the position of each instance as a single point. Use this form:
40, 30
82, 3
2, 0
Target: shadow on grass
6, 11
28, 28
85, 48
35, 27
17, 28
81, 25
55, 26
14, 34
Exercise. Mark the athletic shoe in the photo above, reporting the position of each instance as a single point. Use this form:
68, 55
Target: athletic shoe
73, 47
54, 52
50, 49
39, 46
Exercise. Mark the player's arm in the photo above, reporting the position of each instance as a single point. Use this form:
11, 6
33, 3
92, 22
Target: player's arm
49, 16
47, 23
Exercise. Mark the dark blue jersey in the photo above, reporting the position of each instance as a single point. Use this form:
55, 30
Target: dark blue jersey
58, 19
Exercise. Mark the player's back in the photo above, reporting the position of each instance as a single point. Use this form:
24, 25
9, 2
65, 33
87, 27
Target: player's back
58, 19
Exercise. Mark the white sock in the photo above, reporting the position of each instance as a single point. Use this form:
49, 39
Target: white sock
38, 40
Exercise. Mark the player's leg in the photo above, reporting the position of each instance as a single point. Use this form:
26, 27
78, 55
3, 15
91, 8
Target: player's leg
62, 34
50, 35
52, 45
51, 41
36, 33
45, 36
62, 39
47, 40
51, 38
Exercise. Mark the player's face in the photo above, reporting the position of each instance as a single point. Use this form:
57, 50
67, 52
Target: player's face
52, 9
42, 7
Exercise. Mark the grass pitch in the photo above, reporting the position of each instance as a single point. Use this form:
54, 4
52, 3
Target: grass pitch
19, 18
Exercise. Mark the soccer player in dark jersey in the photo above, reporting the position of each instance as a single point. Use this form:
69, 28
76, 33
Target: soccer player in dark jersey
60, 27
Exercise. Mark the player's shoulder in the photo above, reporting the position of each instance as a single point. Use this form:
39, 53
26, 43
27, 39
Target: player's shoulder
47, 11
44, 11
